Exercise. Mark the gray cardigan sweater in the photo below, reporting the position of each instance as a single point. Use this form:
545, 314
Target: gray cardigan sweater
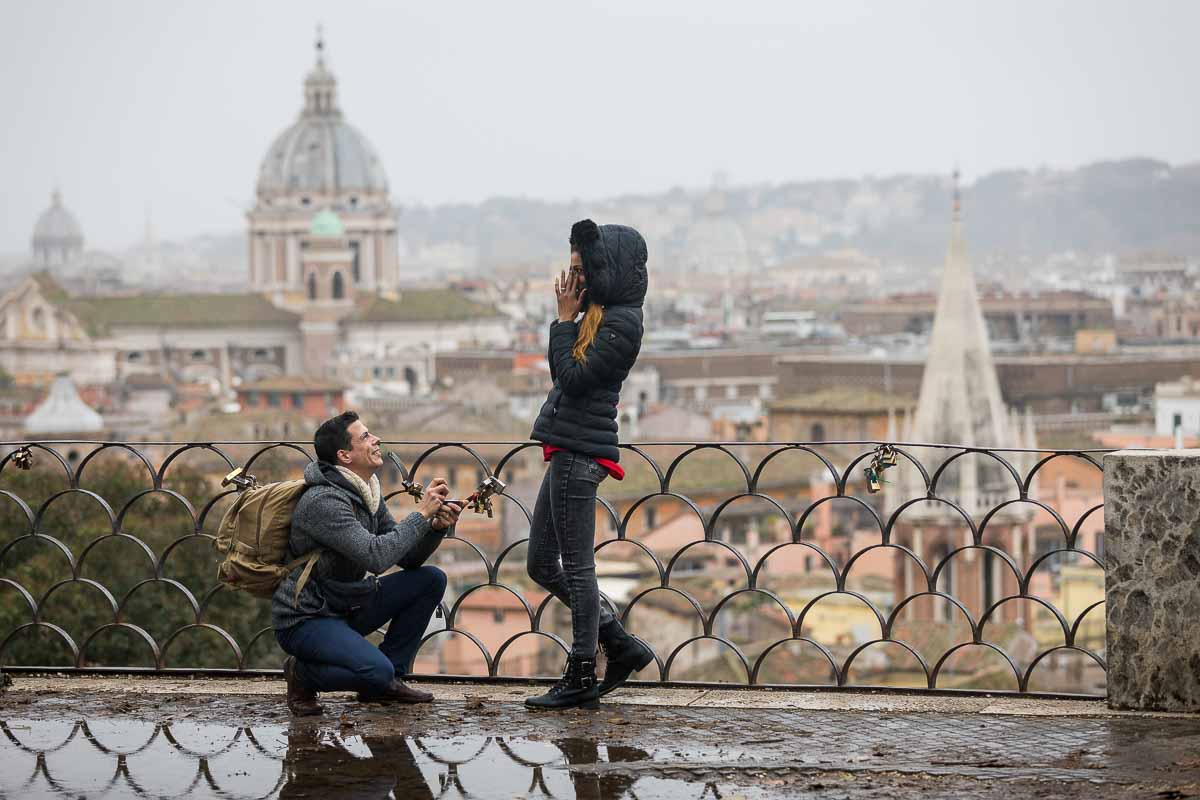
332, 515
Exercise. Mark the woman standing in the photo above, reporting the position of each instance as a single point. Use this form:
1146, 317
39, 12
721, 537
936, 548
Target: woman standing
577, 427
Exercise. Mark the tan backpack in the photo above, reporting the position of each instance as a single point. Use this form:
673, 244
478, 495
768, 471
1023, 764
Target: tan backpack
254, 536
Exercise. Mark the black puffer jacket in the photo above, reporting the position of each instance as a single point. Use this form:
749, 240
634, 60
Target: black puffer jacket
580, 413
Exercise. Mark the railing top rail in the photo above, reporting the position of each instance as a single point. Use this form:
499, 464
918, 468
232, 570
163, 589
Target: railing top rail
520, 443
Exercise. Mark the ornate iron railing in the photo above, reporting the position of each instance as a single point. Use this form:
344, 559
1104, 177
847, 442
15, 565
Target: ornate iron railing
765, 564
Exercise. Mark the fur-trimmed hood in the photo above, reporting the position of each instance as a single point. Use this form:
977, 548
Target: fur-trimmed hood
614, 262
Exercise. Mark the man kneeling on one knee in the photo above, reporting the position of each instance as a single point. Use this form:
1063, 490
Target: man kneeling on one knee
321, 619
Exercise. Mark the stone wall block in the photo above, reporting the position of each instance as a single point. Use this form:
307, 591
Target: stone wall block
1152, 579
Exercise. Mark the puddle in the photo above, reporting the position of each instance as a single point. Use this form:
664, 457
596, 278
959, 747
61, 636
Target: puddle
126, 758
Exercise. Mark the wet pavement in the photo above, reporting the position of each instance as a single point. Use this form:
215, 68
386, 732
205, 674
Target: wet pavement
59, 739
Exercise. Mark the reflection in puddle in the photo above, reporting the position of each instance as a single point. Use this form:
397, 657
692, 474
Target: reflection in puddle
125, 758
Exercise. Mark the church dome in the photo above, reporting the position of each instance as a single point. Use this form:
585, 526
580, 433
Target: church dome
327, 223
57, 227
321, 153
63, 411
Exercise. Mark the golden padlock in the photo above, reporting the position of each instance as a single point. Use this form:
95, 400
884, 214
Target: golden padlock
872, 477
887, 457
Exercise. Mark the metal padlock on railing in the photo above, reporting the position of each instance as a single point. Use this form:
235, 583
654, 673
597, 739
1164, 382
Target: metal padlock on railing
23, 458
413, 489
241, 479
481, 501
887, 456
883, 458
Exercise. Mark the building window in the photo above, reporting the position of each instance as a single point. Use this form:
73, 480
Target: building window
305, 201
354, 264
297, 400
273, 399
329, 398
199, 355
260, 354
312, 286
817, 433
376, 372
134, 356
339, 286
251, 398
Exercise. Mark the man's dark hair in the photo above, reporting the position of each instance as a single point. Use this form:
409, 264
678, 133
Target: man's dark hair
334, 435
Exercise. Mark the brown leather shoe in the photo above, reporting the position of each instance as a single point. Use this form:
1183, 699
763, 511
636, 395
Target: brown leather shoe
301, 700
398, 692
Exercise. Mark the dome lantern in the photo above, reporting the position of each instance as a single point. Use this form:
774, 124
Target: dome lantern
320, 87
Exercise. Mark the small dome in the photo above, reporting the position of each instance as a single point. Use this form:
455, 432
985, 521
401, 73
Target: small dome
327, 223
321, 152
63, 411
57, 226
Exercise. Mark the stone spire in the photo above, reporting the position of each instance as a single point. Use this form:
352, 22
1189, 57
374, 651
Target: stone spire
960, 401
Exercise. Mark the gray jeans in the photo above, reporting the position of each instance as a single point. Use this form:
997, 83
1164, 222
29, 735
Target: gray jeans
564, 526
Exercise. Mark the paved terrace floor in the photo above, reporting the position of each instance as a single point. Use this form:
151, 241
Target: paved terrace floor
159, 736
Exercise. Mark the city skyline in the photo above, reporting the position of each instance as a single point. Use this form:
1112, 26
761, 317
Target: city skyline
146, 124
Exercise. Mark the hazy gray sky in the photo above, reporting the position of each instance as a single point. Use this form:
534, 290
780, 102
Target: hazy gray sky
172, 104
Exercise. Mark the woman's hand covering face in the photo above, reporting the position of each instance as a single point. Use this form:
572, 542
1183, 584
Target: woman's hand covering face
570, 293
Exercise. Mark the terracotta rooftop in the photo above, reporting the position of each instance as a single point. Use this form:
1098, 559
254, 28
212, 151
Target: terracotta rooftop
846, 401
99, 314
292, 384
424, 305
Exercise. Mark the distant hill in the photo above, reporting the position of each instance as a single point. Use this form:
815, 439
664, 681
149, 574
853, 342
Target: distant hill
1108, 207
1111, 207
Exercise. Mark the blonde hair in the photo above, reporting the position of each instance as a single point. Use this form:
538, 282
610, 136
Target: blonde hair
587, 331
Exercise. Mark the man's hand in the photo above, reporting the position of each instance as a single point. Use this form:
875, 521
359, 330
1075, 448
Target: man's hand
570, 296
431, 502
446, 517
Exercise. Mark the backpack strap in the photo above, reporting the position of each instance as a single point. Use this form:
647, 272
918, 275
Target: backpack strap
309, 561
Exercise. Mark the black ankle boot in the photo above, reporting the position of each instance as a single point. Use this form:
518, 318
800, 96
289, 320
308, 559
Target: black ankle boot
575, 689
301, 698
626, 655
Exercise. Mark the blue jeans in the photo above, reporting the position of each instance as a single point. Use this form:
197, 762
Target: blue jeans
564, 526
331, 653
